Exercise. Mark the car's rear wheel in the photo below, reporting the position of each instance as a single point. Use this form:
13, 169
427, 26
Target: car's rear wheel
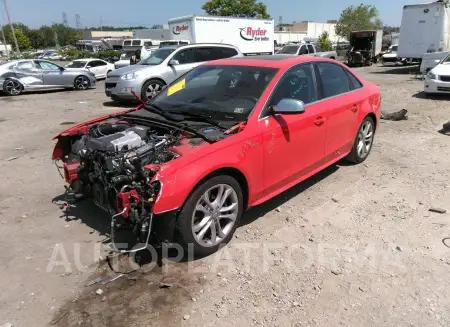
363, 141
150, 89
12, 87
210, 216
81, 83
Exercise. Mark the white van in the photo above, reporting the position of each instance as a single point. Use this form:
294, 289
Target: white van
251, 36
129, 48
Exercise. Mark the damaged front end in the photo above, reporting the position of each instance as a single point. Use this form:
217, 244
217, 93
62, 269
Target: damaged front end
115, 163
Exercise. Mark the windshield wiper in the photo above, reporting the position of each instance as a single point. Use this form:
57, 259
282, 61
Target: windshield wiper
199, 118
160, 111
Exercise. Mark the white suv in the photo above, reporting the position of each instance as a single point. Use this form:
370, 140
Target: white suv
150, 75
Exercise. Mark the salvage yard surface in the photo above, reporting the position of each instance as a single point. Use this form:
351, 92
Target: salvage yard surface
352, 246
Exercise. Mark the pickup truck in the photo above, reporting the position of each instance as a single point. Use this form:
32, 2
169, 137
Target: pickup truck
306, 49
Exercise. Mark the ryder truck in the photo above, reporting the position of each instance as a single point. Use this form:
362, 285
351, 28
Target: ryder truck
251, 36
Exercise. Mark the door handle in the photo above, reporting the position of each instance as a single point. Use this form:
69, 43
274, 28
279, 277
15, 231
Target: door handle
319, 121
355, 108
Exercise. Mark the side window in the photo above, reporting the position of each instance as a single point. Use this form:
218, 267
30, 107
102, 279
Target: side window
303, 50
334, 79
92, 64
25, 65
99, 63
206, 54
185, 56
226, 53
354, 82
297, 83
311, 48
45, 65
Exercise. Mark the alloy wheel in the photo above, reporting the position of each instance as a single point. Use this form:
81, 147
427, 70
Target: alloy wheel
215, 215
12, 87
81, 83
152, 90
365, 139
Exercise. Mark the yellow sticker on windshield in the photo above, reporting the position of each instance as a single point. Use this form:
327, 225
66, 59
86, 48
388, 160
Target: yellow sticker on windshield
176, 87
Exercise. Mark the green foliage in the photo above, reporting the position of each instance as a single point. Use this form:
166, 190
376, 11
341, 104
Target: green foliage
74, 53
357, 18
236, 8
324, 42
23, 42
44, 37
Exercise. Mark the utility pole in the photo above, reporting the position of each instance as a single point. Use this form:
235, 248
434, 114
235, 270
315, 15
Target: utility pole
5, 2
101, 23
4, 41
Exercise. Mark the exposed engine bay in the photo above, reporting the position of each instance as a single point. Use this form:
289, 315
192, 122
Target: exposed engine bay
107, 162
115, 162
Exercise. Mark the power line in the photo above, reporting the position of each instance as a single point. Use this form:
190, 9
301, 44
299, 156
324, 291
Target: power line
78, 21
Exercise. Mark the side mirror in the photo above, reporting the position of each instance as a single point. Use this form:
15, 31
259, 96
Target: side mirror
88, 67
289, 106
62, 69
174, 62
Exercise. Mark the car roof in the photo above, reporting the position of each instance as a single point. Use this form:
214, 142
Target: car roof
273, 61
88, 59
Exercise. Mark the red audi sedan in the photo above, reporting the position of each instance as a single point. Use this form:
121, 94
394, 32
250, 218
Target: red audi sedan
224, 137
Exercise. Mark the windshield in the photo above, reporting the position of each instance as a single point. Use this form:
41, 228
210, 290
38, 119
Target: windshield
76, 64
289, 49
446, 60
217, 92
166, 43
127, 55
157, 57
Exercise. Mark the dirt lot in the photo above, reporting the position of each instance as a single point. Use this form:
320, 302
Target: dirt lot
353, 246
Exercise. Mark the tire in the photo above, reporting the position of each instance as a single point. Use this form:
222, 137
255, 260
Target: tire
190, 216
151, 88
359, 155
81, 83
12, 87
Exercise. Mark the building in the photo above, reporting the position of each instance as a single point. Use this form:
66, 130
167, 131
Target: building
99, 35
153, 34
313, 30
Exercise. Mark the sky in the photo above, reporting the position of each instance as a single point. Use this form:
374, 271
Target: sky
35, 13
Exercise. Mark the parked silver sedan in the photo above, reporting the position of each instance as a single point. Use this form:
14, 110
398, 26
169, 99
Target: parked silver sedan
33, 75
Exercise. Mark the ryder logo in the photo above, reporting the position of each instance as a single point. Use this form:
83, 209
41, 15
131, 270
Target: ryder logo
178, 29
251, 34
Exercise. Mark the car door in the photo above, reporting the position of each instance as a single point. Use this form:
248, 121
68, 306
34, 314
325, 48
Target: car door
294, 144
53, 74
343, 106
185, 62
29, 75
100, 68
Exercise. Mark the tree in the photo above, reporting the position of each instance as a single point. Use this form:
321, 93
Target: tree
357, 18
236, 8
23, 42
324, 42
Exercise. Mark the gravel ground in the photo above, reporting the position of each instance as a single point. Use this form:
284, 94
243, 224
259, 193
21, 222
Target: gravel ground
352, 246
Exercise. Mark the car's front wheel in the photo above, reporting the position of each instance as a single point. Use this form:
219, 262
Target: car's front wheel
81, 83
210, 216
363, 141
150, 89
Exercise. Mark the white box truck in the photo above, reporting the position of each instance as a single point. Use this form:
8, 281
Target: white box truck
251, 36
424, 29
